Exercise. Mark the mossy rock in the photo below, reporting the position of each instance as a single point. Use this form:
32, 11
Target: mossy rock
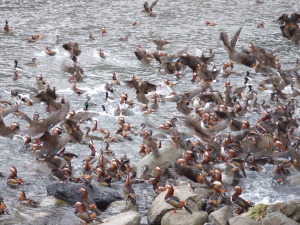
257, 212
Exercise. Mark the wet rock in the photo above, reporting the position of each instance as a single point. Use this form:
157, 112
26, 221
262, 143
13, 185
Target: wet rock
204, 193
126, 218
159, 207
52, 202
166, 154
121, 206
238, 220
221, 167
221, 216
294, 180
278, 218
291, 209
41, 214
227, 180
183, 218
68, 192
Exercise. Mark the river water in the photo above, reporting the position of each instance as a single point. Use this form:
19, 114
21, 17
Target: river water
178, 21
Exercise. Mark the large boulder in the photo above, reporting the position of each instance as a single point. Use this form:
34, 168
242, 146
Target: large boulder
278, 218
126, 218
183, 218
291, 209
238, 220
121, 206
68, 192
159, 207
221, 216
166, 154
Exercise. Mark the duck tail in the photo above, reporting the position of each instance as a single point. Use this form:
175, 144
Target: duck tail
187, 209
133, 200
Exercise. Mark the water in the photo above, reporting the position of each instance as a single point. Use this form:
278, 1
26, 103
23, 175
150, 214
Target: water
181, 22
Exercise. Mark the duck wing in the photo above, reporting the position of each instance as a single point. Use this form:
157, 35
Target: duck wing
71, 129
9, 110
4, 130
80, 117
58, 116
186, 171
38, 127
295, 18
146, 86
146, 7
235, 37
281, 20
225, 42
152, 5
132, 84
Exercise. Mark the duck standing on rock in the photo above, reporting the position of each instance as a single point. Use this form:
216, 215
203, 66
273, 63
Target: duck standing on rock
174, 201
128, 191
86, 215
236, 199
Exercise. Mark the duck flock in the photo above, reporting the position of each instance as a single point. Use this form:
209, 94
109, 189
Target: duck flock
244, 125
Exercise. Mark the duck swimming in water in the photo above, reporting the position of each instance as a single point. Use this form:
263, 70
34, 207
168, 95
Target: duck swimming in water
91, 38
49, 52
13, 180
148, 9
25, 201
6, 27
207, 23
32, 63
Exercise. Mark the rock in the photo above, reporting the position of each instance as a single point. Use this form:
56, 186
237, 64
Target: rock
41, 214
159, 207
221, 167
291, 209
204, 193
221, 216
278, 218
238, 220
294, 180
120, 207
227, 180
126, 218
166, 154
183, 218
52, 201
68, 192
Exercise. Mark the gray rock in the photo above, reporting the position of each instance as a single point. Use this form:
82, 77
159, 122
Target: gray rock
159, 207
52, 202
294, 180
278, 218
68, 192
291, 209
120, 207
166, 154
184, 218
221, 216
238, 220
227, 180
204, 193
126, 218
